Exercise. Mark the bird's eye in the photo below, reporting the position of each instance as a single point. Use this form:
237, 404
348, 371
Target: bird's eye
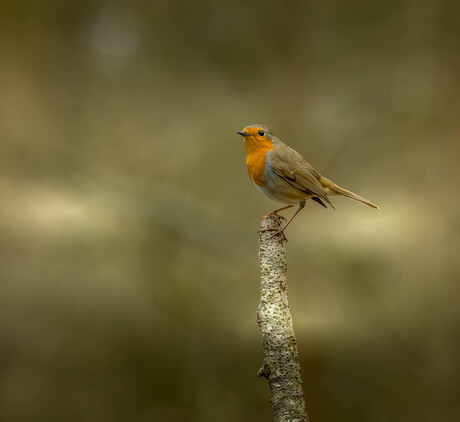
261, 133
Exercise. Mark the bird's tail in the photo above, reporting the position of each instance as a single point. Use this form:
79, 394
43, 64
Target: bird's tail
333, 189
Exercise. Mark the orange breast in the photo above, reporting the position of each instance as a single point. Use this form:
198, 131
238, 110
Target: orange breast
256, 152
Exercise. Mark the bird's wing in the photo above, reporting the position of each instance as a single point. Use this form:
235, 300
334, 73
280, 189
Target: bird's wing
293, 168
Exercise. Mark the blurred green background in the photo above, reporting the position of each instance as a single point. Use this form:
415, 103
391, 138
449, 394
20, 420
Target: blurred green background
129, 270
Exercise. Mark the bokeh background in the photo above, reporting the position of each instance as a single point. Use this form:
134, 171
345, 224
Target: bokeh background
129, 277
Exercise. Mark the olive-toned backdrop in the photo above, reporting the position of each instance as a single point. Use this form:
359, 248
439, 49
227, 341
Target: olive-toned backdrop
128, 248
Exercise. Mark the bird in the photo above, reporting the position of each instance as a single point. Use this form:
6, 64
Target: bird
285, 176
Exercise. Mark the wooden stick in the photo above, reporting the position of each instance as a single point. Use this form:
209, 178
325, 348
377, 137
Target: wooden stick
281, 364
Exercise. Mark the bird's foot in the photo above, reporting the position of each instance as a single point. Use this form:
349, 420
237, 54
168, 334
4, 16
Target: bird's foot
274, 214
276, 232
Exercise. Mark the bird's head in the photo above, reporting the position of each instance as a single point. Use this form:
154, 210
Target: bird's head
257, 136
256, 133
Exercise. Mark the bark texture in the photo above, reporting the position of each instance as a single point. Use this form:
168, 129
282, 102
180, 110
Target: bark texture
281, 364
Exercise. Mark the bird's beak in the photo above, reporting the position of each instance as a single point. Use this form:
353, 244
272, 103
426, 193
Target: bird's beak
242, 133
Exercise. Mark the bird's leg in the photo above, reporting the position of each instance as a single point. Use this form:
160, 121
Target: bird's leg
275, 212
281, 230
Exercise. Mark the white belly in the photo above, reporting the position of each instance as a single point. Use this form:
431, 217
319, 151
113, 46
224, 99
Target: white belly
290, 199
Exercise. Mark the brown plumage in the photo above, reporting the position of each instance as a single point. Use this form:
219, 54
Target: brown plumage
284, 175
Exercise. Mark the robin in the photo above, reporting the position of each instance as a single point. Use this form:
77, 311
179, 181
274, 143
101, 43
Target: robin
285, 176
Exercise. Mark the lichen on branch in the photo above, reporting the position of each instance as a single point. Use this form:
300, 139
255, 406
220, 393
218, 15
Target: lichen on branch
281, 366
